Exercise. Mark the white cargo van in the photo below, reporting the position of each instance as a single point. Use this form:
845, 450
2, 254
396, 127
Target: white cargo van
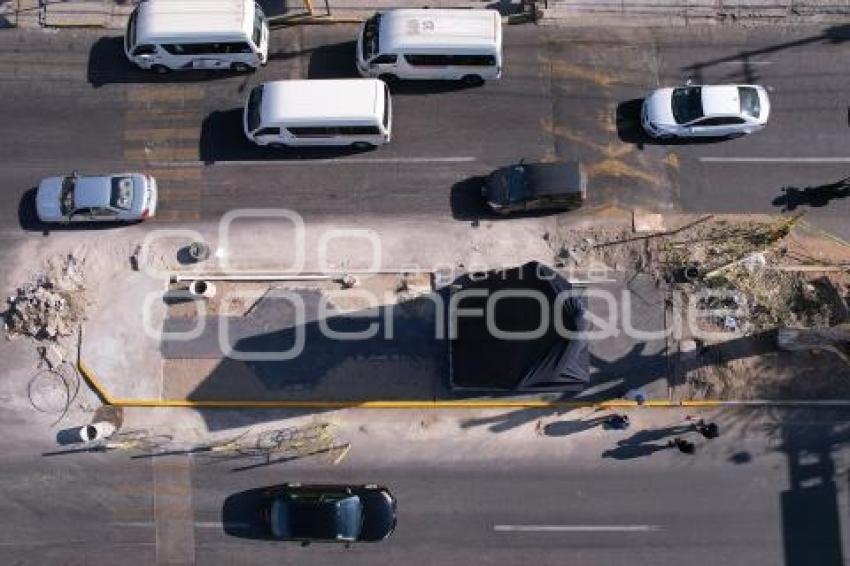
167, 35
448, 44
334, 112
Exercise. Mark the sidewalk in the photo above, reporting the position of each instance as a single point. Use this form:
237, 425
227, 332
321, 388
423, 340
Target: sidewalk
113, 14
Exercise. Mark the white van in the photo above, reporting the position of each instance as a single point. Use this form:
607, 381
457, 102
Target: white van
166, 35
355, 112
453, 44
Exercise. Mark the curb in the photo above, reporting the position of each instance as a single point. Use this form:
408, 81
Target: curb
98, 389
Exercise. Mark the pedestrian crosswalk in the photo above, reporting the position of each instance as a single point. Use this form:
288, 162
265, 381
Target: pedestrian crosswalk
162, 128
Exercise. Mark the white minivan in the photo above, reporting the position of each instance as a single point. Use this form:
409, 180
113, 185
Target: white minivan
453, 44
333, 112
167, 35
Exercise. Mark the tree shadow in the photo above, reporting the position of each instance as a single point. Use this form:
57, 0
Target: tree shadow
223, 139
815, 196
749, 73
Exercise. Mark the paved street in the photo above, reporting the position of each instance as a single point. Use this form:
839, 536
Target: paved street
765, 498
565, 94
71, 101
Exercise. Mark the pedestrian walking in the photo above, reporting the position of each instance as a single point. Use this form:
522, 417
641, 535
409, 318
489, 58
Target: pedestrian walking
618, 422
708, 430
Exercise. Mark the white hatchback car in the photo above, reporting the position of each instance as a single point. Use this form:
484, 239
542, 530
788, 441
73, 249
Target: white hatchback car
694, 111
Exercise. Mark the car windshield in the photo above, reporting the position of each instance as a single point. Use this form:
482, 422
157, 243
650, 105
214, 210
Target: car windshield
131, 31
66, 197
370, 37
515, 189
750, 103
255, 100
687, 104
121, 194
258, 25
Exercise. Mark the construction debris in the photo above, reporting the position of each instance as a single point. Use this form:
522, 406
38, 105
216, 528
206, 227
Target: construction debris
52, 305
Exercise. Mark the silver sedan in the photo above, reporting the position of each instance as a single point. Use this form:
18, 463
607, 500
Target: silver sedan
123, 197
694, 111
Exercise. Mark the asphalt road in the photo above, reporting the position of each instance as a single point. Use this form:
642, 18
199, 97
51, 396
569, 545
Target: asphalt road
776, 498
72, 101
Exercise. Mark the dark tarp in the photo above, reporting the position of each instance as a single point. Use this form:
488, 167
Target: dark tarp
550, 362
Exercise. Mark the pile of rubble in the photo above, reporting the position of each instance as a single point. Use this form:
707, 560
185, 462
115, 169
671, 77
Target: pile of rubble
50, 306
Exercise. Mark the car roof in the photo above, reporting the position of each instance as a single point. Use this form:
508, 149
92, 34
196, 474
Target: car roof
444, 30
323, 101
554, 178
721, 100
92, 191
318, 518
163, 20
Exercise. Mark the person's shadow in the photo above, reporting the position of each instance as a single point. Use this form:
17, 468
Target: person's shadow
816, 196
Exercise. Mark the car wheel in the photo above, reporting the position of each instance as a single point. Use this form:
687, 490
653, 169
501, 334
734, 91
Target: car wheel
472, 80
362, 145
388, 78
241, 67
160, 69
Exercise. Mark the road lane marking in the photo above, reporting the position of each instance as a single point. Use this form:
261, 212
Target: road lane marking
322, 161
576, 528
775, 159
154, 153
197, 524
161, 134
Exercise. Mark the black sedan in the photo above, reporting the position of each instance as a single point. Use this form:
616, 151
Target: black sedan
329, 513
535, 186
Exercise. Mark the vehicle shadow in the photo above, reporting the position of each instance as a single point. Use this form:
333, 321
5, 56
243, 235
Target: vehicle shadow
223, 139
815, 196
335, 61
420, 87
241, 514
109, 65
630, 129
29, 222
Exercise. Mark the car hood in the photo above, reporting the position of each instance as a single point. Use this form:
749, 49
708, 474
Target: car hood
47, 199
658, 107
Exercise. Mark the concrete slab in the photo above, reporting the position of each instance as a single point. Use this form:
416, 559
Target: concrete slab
115, 345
